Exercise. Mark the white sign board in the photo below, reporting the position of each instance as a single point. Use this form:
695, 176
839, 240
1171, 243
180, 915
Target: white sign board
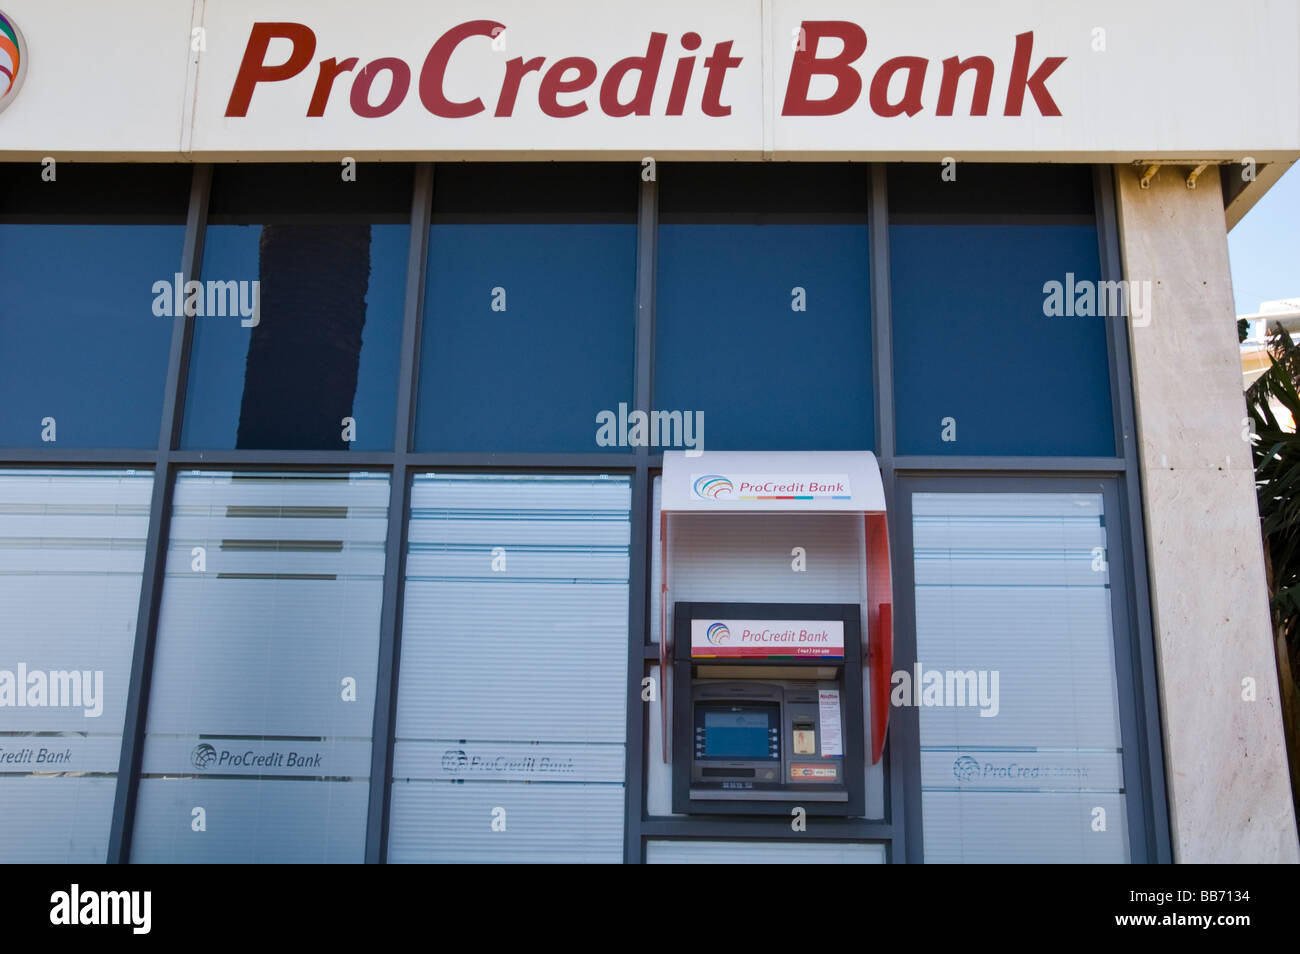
1073, 80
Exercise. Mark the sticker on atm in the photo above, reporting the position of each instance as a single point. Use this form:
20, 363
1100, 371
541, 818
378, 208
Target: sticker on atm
813, 773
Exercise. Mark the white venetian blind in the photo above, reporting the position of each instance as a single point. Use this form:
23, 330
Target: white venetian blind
71, 556
1017, 584
262, 700
513, 683
762, 853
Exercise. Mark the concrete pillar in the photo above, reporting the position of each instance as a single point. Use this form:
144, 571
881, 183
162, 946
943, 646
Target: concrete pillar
1229, 791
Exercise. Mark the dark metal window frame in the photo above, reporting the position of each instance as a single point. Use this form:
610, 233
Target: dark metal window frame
900, 830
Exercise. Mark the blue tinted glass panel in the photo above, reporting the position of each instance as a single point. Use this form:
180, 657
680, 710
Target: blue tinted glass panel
83, 356
528, 335
263, 690
323, 345
972, 342
730, 341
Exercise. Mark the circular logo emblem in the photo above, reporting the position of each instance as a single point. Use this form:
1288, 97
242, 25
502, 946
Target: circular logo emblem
203, 755
718, 634
13, 59
453, 760
713, 486
965, 768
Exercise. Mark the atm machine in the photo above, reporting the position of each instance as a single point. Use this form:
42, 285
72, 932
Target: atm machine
766, 699
768, 709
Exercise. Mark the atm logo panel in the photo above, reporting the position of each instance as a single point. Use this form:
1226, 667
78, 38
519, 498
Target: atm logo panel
766, 639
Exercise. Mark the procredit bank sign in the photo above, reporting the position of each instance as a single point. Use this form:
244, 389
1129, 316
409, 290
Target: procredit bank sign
1106, 80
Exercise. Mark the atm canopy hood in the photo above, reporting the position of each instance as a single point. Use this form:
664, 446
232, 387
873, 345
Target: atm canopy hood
753, 482
772, 482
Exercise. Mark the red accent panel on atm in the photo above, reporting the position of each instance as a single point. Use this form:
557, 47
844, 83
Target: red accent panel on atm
880, 629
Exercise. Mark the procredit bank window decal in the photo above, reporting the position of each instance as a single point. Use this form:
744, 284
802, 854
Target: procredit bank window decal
510, 740
72, 549
1015, 679
263, 691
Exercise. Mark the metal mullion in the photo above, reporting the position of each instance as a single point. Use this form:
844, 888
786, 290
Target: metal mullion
155, 562
1133, 531
30, 457
639, 563
882, 351
399, 505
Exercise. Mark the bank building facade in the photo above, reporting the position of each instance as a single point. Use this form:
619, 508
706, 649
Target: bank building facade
736, 432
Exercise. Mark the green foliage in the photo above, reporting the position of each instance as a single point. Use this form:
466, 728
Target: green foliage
1277, 477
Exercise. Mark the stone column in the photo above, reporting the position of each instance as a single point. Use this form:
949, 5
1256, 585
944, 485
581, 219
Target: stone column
1229, 791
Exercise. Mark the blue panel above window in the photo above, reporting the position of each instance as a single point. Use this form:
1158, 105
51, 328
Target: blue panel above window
979, 369
325, 262
762, 311
529, 309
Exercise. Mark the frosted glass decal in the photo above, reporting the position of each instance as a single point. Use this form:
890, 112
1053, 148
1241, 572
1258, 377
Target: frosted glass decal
512, 697
263, 691
71, 557
1013, 600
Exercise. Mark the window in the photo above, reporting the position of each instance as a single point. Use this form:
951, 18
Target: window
513, 691
85, 349
980, 367
263, 689
1013, 597
762, 308
759, 852
71, 558
529, 306
297, 341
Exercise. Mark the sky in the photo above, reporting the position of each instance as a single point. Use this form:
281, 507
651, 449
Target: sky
1264, 247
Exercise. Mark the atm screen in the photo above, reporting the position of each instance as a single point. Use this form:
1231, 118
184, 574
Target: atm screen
737, 732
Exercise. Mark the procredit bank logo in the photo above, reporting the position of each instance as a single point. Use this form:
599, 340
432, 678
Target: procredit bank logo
203, 755
765, 488
712, 487
206, 756
685, 74
718, 634
13, 60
